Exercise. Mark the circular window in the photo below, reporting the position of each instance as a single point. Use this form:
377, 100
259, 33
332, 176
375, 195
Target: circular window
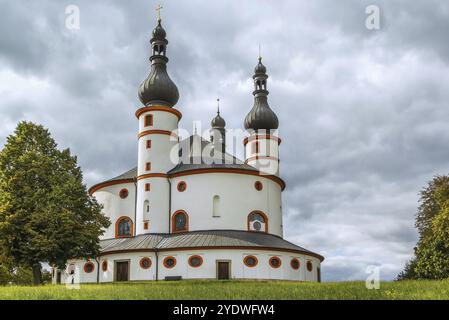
258, 185
123, 193
89, 267
169, 262
275, 262
145, 263
182, 186
257, 225
295, 264
195, 261
104, 265
309, 266
250, 261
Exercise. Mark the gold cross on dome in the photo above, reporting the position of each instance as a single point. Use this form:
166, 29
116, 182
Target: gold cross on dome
158, 9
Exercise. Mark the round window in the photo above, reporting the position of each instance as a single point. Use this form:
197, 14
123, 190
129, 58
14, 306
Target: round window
250, 261
123, 193
145, 263
104, 265
195, 261
294, 264
89, 267
169, 262
309, 266
257, 225
182, 186
275, 262
258, 185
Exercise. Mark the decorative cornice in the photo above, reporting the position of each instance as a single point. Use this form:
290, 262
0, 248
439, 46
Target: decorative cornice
101, 185
261, 137
261, 158
152, 175
158, 108
164, 132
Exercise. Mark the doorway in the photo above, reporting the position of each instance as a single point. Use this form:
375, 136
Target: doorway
223, 269
122, 271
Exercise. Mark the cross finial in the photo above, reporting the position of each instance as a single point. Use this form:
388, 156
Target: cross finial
218, 105
158, 9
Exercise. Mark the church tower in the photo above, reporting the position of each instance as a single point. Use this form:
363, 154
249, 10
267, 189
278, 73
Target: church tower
218, 135
262, 146
157, 141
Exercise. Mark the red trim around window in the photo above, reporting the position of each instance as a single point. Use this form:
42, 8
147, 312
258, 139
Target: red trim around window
148, 120
263, 215
165, 262
104, 265
295, 264
272, 259
182, 186
309, 266
195, 257
123, 193
174, 230
143, 260
117, 223
89, 267
245, 261
148, 144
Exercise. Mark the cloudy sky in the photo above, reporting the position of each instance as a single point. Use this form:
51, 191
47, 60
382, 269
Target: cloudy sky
363, 114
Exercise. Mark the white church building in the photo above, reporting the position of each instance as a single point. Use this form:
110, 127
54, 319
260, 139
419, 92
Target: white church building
189, 209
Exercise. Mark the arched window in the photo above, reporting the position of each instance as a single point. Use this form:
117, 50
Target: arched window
180, 221
216, 206
309, 266
146, 210
123, 227
104, 265
257, 221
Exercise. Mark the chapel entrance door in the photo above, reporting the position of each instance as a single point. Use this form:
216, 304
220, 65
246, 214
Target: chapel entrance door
223, 270
122, 271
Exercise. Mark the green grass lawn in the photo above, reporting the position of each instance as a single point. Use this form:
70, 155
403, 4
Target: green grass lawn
190, 290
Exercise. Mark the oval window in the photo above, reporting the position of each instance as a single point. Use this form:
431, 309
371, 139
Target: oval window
182, 186
104, 265
123, 193
89, 267
169, 262
295, 264
258, 185
275, 262
309, 266
250, 261
145, 263
195, 261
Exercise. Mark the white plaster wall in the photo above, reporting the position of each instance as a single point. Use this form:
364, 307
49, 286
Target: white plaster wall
115, 207
162, 120
159, 205
267, 147
238, 198
208, 269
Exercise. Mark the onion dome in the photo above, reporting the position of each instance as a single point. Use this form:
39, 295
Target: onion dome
261, 117
218, 122
158, 88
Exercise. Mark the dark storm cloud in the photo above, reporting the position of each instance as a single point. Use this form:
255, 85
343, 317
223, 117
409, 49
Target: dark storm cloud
363, 113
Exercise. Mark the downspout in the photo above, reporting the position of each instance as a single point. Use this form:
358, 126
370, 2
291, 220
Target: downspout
135, 205
157, 264
98, 269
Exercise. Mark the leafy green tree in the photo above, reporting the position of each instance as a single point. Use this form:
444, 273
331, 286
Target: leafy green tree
431, 259
46, 214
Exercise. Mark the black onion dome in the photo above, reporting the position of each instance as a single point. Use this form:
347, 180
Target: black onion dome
159, 32
158, 88
261, 117
218, 121
260, 68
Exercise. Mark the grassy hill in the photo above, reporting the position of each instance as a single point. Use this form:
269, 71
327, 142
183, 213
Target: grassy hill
190, 290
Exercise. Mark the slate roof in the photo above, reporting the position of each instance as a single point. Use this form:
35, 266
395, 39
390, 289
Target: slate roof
191, 160
202, 239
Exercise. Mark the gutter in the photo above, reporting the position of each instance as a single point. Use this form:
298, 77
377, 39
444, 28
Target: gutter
157, 264
98, 269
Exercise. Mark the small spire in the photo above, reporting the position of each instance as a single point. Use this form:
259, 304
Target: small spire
260, 57
194, 128
158, 9
218, 106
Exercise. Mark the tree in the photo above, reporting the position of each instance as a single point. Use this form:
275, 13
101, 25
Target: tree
431, 260
46, 214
